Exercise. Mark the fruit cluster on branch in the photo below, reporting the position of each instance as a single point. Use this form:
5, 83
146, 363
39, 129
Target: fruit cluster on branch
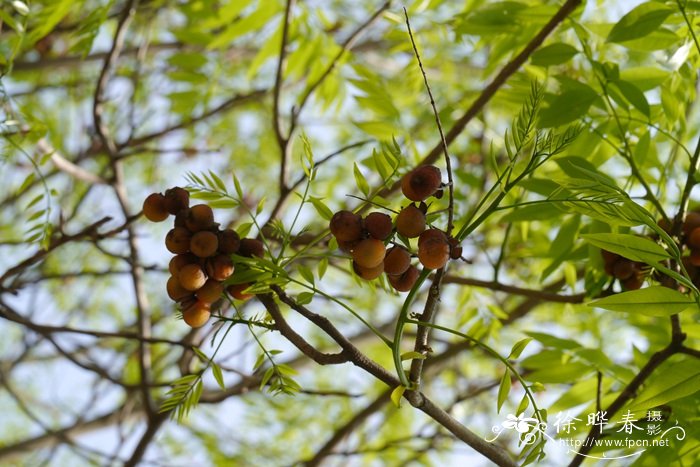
631, 274
203, 258
371, 240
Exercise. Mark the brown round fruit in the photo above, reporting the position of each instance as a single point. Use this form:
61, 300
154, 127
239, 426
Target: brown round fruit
378, 225
250, 247
397, 260
694, 258
176, 292
229, 241
199, 217
623, 269
237, 291
694, 238
434, 253
346, 226
410, 222
455, 248
405, 281
609, 257
204, 244
665, 225
349, 246
176, 199
192, 277
178, 261
197, 314
633, 282
154, 208
691, 222
178, 240
422, 182
369, 253
210, 292
220, 267
429, 234
368, 273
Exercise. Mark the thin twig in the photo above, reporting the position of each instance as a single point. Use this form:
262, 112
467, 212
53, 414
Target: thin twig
443, 142
282, 141
499, 80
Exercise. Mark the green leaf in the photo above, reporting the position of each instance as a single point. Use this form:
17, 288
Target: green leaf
412, 355
218, 182
639, 22
218, 375
568, 106
553, 341
397, 394
304, 298
503, 390
518, 348
360, 180
554, 54
629, 246
237, 185
306, 273
671, 382
645, 78
650, 301
321, 207
634, 95
522, 407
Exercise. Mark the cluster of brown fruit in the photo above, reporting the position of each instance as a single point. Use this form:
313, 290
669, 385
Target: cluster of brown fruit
370, 239
202, 260
630, 273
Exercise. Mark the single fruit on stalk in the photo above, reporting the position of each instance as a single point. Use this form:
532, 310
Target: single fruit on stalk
346, 226
368, 273
421, 183
178, 240
219, 267
229, 241
176, 292
378, 225
369, 253
199, 217
397, 260
204, 243
434, 253
236, 291
191, 277
176, 199
405, 281
197, 314
154, 208
410, 222
251, 247
178, 261
210, 292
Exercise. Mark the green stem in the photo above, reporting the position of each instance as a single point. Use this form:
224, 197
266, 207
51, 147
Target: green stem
491, 352
401, 322
353, 312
